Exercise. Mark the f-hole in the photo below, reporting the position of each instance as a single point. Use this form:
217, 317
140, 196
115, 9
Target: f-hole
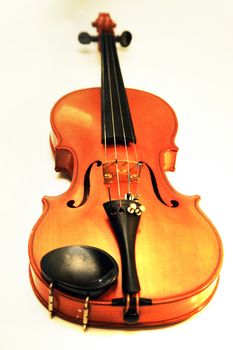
173, 203
86, 191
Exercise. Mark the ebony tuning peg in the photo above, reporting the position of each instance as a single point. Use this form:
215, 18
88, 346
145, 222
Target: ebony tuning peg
124, 39
85, 38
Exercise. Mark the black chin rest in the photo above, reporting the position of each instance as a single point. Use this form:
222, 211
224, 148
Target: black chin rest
79, 270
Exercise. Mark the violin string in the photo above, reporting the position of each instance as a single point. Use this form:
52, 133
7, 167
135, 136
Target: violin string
121, 115
135, 154
113, 121
126, 147
104, 120
103, 104
137, 161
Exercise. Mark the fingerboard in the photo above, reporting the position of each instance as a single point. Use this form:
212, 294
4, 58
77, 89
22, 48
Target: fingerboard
117, 126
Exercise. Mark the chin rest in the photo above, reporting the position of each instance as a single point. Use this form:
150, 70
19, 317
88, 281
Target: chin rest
79, 270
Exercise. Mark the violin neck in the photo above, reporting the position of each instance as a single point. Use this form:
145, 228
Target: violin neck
117, 126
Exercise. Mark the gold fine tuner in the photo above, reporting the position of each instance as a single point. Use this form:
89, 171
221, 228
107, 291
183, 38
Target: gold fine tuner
134, 209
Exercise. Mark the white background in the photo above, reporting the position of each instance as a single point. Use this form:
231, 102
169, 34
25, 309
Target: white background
181, 51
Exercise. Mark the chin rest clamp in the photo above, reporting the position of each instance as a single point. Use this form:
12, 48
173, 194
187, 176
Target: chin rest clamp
85, 313
50, 300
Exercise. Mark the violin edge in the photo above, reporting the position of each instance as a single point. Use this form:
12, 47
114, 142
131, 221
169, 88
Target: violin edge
161, 313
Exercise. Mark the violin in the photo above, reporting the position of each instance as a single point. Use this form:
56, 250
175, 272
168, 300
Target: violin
121, 247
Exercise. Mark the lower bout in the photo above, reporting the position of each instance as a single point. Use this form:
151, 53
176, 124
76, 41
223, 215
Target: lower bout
102, 313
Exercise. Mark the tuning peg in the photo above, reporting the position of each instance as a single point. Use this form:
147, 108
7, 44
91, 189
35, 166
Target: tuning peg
85, 38
124, 39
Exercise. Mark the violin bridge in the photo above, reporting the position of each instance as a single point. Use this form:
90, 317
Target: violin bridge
128, 171
50, 300
85, 313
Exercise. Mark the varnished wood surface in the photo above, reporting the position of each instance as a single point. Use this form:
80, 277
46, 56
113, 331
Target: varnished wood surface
181, 51
178, 250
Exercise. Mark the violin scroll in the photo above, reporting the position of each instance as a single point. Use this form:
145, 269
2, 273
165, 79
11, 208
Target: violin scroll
104, 24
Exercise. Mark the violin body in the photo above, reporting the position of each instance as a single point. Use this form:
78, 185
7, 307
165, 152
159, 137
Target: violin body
178, 252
